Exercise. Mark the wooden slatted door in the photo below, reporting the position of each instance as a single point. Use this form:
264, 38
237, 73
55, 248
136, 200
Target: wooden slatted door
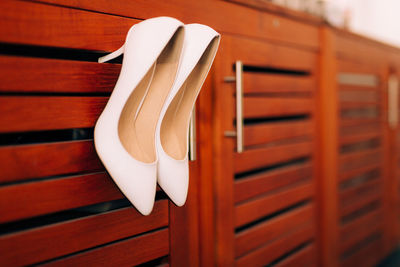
265, 196
354, 148
58, 205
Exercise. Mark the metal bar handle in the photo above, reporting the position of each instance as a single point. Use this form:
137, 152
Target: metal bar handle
239, 106
192, 136
393, 101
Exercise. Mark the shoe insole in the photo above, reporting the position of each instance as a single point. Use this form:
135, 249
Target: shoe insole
174, 127
139, 117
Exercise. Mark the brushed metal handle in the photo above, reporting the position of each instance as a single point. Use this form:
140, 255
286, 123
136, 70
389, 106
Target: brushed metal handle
393, 101
239, 106
192, 136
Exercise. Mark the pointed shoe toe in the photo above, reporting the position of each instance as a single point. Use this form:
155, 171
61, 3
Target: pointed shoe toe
125, 131
200, 46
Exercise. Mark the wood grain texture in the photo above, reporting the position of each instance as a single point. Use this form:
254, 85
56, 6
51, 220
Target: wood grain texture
39, 244
48, 25
359, 224
368, 255
56, 76
256, 83
351, 161
256, 107
258, 158
305, 257
255, 185
128, 252
48, 159
38, 198
275, 249
264, 232
48, 113
264, 205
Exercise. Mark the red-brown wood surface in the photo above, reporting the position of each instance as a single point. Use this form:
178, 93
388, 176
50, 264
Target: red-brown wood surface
256, 83
256, 107
39, 244
48, 159
54, 75
305, 257
128, 252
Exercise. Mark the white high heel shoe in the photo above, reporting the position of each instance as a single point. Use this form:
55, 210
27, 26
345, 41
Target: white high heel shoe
199, 49
124, 135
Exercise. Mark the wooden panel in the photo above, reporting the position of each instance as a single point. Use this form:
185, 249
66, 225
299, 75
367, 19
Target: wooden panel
366, 221
254, 185
128, 252
236, 19
24, 200
359, 236
359, 137
53, 75
359, 159
267, 54
58, 158
38, 24
255, 107
259, 234
305, 257
257, 158
260, 207
39, 244
276, 83
47, 113
270, 132
360, 128
358, 96
361, 203
360, 191
366, 256
274, 250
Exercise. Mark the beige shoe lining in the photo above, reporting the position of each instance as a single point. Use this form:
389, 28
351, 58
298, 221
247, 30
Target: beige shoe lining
174, 127
139, 117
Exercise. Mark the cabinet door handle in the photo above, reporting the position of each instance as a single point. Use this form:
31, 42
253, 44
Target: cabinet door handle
192, 136
239, 106
393, 100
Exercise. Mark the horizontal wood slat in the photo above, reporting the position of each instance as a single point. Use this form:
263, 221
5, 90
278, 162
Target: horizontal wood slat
276, 83
360, 137
262, 206
360, 191
39, 244
359, 236
272, 229
366, 221
274, 250
257, 158
357, 129
254, 185
47, 113
258, 107
357, 160
59, 158
358, 204
305, 257
367, 256
129, 252
48, 25
38, 198
270, 132
56, 76
346, 96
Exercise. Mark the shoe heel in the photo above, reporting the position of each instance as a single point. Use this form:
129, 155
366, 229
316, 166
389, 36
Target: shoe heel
112, 55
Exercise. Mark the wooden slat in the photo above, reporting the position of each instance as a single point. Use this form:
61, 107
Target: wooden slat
257, 158
53, 75
39, 244
365, 221
42, 160
359, 236
260, 207
359, 105
360, 203
367, 256
346, 96
261, 183
345, 140
256, 107
260, 234
360, 191
128, 252
358, 88
360, 121
274, 250
49, 113
356, 160
358, 129
270, 132
38, 24
275, 83
305, 257
38, 198
272, 55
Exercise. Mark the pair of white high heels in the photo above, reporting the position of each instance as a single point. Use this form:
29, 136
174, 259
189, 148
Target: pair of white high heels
141, 136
